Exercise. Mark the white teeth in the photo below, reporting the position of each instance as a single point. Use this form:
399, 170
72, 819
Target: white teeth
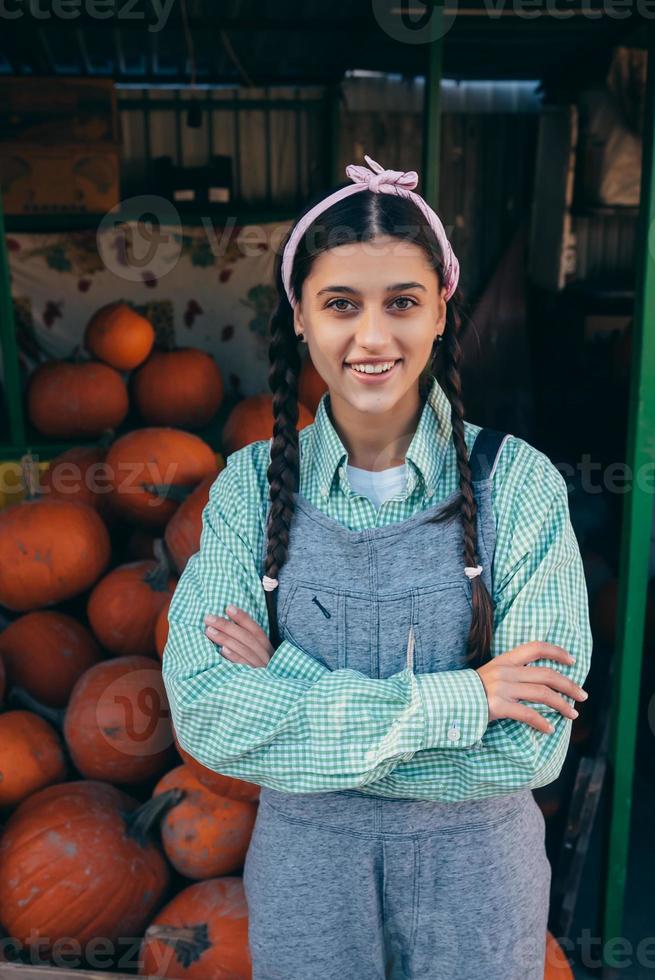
373, 368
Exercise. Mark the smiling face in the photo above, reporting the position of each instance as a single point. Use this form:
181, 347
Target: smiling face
376, 301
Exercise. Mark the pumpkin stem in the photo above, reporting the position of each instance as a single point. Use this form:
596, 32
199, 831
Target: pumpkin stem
31, 476
19, 696
158, 578
140, 821
189, 942
106, 439
170, 491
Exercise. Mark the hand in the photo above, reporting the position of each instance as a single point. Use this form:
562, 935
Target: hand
506, 679
246, 641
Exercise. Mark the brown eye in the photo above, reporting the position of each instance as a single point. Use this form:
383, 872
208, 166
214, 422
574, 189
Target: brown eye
330, 305
406, 299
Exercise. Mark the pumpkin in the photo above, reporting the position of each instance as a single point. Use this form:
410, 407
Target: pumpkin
202, 934
182, 534
45, 652
117, 724
311, 386
119, 336
251, 419
50, 550
78, 474
161, 628
183, 388
230, 786
76, 400
556, 964
204, 835
123, 607
31, 756
76, 861
153, 469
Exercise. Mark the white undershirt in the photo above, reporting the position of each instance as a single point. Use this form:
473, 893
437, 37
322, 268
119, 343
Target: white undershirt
378, 486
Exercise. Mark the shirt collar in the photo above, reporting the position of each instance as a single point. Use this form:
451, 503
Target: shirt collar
425, 452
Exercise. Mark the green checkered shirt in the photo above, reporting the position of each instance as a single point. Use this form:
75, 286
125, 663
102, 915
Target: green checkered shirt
299, 727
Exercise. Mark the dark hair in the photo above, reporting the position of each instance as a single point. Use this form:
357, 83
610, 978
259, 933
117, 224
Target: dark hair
357, 218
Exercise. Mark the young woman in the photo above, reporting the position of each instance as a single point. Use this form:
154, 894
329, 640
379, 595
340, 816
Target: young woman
422, 589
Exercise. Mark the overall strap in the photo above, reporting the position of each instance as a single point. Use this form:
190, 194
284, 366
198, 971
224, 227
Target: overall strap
485, 452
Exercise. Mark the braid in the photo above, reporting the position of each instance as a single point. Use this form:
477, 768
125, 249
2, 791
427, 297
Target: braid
284, 468
480, 634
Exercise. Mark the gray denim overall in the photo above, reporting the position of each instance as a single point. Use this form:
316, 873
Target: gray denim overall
350, 886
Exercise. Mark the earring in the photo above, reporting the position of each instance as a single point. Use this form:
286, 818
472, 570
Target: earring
439, 340
301, 337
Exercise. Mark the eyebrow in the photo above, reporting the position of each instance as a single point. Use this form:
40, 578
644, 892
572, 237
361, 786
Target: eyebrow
355, 292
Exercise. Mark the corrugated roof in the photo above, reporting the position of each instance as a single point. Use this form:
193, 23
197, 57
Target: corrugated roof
260, 42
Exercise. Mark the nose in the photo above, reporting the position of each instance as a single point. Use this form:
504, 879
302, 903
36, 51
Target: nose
372, 330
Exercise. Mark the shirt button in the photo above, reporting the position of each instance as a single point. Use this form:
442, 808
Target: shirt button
342, 470
454, 734
325, 491
430, 492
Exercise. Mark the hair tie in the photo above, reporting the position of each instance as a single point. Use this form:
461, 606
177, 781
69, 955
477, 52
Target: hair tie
269, 583
473, 571
380, 181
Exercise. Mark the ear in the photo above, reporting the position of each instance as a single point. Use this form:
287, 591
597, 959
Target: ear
298, 322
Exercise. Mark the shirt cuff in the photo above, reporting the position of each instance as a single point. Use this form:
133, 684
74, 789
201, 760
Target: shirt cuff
288, 660
455, 706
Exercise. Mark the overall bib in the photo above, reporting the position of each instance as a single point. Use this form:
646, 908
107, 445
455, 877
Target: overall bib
350, 886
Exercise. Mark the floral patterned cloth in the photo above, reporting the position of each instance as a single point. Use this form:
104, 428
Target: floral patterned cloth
212, 289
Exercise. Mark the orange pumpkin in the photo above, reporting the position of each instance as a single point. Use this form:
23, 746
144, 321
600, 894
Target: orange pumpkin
31, 756
76, 400
230, 786
148, 469
204, 835
78, 474
123, 607
161, 628
182, 534
311, 386
117, 724
76, 861
181, 387
201, 934
50, 550
251, 419
119, 336
556, 966
45, 652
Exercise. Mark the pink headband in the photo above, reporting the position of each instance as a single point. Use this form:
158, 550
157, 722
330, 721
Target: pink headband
379, 181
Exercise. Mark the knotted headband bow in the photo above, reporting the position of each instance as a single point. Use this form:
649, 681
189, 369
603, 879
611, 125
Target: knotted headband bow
380, 181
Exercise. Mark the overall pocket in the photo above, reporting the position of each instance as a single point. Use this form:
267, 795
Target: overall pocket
312, 617
442, 626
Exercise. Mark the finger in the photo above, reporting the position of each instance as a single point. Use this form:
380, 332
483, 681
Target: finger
528, 715
236, 634
535, 649
236, 658
241, 618
544, 695
236, 649
552, 678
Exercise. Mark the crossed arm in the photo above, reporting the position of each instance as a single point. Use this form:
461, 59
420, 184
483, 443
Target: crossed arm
299, 727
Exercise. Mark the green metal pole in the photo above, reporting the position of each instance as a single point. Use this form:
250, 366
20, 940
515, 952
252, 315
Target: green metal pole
431, 113
637, 521
10, 363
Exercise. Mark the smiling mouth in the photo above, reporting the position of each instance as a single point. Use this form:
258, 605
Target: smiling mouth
368, 373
